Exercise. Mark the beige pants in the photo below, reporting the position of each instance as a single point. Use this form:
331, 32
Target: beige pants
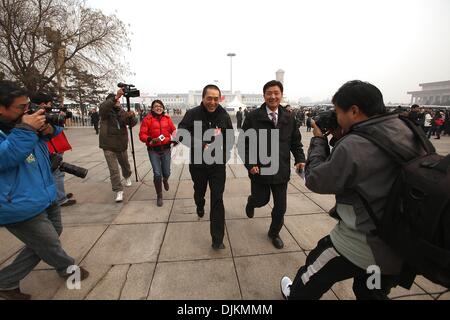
114, 159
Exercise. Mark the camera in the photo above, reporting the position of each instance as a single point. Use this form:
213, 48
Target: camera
326, 120
129, 90
53, 116
56, 163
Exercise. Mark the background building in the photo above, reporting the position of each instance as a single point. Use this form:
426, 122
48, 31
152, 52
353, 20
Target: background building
432, 93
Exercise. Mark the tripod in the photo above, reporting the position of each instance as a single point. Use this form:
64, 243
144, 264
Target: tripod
132, 140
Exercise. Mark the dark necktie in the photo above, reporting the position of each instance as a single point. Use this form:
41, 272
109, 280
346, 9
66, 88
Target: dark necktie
274, 118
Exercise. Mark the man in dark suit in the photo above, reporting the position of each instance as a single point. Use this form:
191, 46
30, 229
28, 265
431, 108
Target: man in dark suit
271, 118
209, 115
239, 118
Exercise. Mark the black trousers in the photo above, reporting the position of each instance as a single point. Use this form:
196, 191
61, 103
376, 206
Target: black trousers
214, 175
261, 196
325, 266
96, 127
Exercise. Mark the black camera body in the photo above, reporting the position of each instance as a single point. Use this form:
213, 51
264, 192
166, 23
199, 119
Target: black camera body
52, 117
326, 120
129, 90
57, 163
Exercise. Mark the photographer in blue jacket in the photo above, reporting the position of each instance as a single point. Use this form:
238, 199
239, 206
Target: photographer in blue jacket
27, 191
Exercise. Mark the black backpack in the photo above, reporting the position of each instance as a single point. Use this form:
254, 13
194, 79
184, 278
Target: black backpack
416, 219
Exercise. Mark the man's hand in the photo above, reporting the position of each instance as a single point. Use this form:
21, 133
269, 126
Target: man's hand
131, 114
119, 94
316, 130
35, 120
153, 141
337, 133
46, 130
254, 171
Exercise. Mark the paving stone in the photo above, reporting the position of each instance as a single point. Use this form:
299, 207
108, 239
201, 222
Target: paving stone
237, 187
195, 280
90, 213
185, 210
418, 297
135, 212
260, 276
249, 237
190, 241
239, 170
299, 204
445, 296
344, 291
429, 286
147, 192
326, 202
42, 284
309, 229
299, 184
111, 285
138, 281
96, 271
10, 245
96, 192
77, 241
128, 244
235, 208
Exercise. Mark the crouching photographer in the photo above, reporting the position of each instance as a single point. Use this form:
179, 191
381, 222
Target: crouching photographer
27, 191
360, 174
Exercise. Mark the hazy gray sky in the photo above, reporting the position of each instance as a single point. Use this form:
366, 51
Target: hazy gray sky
181, 45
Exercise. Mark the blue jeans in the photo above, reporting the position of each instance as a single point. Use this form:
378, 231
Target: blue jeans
160, 161
41, 238
58, 176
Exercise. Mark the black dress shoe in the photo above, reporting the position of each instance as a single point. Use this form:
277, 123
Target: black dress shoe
216, 246
200, 212
250, 211
277, 242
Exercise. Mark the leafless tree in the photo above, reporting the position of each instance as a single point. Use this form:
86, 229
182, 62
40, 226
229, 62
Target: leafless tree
41, 39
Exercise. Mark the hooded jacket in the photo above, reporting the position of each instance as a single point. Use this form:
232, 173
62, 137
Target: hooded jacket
355, 168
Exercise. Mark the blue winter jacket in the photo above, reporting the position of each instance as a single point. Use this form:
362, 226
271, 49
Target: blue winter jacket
26, 182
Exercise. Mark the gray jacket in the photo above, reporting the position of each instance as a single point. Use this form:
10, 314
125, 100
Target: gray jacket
358, 167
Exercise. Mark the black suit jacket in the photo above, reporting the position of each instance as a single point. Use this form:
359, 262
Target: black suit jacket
289, 142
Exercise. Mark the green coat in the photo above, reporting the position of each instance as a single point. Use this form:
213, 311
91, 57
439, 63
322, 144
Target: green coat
113, 127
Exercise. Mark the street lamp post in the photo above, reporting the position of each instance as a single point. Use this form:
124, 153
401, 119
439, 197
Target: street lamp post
231, 55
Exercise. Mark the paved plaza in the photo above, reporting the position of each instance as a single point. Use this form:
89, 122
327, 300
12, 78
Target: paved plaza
135, 250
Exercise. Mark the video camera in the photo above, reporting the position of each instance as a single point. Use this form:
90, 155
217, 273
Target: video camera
52, 116
326, 120
129, 90
56, 163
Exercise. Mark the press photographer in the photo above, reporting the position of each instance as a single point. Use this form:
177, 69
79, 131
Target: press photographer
360, 174
114, 139
57, 145
27, 191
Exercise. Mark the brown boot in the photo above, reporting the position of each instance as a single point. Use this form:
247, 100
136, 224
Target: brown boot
166, 184
14, 294
84, 274
158, 188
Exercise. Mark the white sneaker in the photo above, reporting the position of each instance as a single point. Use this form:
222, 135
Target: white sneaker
128, 182
285, 285
119, 196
